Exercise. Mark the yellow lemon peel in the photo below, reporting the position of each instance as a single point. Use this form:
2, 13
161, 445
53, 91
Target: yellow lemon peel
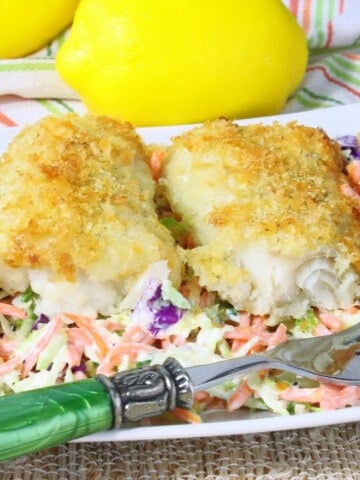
27, 25
158, 63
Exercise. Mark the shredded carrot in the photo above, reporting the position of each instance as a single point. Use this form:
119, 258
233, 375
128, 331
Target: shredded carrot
156, 159
353, 169
334, 397
186, 415
113, 326
237, 344
8, 309
188, 242
96, 336
78, 340
165, 343
239, 397
297, 394
80, 320
9, 365
329, 397
351, 310
348, 191
52, 329
134, 333
79, 337
216, 403
101, 344
201, 396
191, 290
115, 355
278, 336
332, 322
7, 347
244, 320
176, 340
239, 333
206, 299
321, 330
257, 329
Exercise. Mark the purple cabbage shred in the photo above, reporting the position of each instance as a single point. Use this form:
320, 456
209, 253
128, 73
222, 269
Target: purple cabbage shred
79, 368
156, 296
167, 315
163, 314
41, 320
350, 142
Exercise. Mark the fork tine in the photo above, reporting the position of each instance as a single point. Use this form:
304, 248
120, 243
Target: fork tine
351, 372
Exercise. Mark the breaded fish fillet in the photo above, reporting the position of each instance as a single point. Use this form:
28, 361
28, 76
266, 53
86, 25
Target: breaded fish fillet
274, 233
77, 214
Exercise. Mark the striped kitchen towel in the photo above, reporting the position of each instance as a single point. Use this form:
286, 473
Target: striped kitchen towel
333, 73
332, 77
35, 76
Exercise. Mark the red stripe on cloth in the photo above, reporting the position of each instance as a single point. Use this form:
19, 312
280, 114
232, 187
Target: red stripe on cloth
7, 121
329, 35
341, 6
333, 80
306, 16
294, 7
352, 56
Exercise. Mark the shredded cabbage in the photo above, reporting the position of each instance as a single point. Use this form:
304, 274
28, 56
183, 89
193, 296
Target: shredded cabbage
155, 321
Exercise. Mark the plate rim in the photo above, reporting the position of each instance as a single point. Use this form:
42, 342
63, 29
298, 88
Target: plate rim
330, 119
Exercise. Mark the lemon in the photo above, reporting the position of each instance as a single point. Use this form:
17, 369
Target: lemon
27, 25
169, 62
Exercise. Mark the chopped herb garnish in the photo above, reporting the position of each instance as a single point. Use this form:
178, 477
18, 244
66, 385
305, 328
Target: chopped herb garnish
176, 228
221, 312
291, 408
308, 322
29, 297
229, 386
222, 347
142, 363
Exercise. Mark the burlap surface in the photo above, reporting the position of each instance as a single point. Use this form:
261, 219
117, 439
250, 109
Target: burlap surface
318, 453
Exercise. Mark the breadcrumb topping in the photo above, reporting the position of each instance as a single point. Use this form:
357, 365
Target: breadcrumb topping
273, 189
76, 193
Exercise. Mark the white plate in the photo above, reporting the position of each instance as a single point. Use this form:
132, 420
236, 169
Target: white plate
335, 121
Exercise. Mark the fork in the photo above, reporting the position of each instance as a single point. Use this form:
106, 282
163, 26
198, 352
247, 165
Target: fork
331, 358
38, 419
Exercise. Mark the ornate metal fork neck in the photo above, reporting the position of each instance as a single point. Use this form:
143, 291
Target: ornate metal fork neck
148, 391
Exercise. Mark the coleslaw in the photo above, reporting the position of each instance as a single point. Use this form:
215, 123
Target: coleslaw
156, 320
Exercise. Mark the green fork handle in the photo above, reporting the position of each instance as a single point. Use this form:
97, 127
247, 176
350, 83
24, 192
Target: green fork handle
39, 419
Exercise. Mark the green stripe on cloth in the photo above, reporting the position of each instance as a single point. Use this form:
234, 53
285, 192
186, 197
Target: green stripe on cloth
306, 102
323, 98
333, 50
30, 65
356, 42
64, 105
349, 65
341, 74
309, 102
50, 107
49, 50
61, 39
319, 16
331, 9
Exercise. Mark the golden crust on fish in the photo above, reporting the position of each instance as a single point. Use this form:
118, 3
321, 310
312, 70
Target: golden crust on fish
250, 191
76, 194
